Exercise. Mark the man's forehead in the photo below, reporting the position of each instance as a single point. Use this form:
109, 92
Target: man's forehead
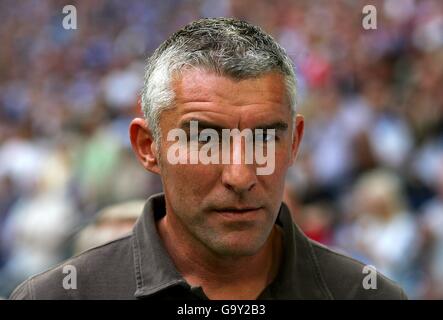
199, 85
225, 102
230, 103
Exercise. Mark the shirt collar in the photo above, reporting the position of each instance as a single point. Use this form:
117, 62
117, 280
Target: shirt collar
154, 269
299, 276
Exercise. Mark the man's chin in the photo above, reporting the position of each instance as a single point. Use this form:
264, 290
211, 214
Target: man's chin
236, 248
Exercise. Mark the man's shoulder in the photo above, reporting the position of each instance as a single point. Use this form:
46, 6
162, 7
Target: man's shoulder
105, 271
348, 278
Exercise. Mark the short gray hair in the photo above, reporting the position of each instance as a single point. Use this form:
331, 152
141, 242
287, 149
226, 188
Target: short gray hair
226, 46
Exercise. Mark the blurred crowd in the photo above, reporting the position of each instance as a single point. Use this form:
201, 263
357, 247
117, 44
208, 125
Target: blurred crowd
368, 180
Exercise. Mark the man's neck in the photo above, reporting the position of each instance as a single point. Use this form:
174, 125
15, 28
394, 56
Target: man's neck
222, 277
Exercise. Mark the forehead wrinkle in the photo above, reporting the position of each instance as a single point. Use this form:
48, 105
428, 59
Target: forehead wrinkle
220, 120
202, 86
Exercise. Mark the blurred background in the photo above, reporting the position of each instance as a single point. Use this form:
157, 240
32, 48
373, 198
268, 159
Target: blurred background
369, 177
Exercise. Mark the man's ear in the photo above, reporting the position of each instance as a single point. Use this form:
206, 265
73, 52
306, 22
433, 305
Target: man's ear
299, 127
143, 145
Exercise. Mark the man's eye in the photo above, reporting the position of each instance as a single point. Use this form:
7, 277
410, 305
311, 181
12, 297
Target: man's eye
204, 138
193, 137
265, 137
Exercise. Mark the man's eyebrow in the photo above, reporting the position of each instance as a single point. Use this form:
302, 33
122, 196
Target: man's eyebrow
203, 124
278, 126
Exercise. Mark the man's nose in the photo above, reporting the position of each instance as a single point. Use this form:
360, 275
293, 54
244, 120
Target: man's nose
239, 177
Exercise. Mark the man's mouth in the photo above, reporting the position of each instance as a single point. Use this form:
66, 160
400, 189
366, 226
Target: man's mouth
239, 212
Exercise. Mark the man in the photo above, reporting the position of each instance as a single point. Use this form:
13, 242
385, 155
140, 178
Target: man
220, 230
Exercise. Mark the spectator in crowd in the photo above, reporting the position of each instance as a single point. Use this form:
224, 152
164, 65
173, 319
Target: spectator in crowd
383, 231
431, 223
109, 224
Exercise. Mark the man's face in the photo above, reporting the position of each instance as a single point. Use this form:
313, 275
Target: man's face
200, 197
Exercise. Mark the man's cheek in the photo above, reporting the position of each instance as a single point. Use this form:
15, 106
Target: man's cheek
282, 163
188, 178
274, 183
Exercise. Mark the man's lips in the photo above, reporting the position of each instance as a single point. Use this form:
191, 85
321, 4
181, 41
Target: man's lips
237, 209
239, 213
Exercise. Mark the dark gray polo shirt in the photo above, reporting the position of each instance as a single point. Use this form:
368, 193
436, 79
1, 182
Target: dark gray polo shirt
139, 267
